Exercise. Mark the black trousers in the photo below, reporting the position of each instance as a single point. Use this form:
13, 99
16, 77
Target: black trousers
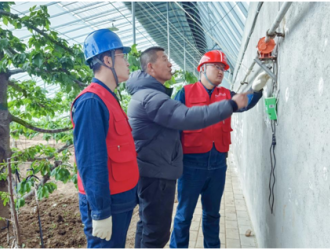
156, 199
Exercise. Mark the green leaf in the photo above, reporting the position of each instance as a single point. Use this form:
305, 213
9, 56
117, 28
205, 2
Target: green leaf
37, 60
4, 197
6, 6
74, 179
42, 192
45, 190
61, 174
5, 20
3, 43
33, 8
51, 187
20, 202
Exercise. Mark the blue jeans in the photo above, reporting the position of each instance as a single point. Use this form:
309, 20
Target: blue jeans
120, 224
208, 180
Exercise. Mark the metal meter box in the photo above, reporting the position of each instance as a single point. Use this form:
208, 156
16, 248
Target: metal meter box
271, 108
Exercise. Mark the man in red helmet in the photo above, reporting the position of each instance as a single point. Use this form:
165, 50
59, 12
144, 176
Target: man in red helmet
205, 152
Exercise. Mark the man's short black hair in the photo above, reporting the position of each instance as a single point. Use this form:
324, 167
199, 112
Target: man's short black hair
149, 56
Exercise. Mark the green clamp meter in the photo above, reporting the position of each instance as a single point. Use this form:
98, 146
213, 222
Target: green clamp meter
271, 108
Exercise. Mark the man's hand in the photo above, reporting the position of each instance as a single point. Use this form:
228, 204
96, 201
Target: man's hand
102, 228
260, 81
241, 100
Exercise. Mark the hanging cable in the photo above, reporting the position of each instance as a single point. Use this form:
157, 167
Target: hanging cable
7, 227
272, 178
37, 206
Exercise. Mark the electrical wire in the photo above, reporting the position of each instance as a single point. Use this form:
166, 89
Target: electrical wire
272, 179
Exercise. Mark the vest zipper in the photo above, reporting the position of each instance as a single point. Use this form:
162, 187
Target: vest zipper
119, 146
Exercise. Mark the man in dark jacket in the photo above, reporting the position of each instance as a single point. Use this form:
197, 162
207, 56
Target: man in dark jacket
156, 120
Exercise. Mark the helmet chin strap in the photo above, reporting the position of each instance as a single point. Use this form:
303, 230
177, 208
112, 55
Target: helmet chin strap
204, 72
209, 80
96, 60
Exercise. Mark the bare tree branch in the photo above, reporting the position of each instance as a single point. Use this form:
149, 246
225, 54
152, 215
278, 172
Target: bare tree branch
40, 130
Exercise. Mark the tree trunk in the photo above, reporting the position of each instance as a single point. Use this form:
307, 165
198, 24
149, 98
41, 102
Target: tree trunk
4, 140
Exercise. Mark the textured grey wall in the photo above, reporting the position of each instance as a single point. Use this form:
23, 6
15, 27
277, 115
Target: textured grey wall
302, 190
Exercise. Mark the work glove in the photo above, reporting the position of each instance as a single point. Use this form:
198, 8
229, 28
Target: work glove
260, 81
102, 228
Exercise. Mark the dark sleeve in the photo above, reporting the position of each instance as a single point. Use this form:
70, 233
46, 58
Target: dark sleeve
254, 97
91, 118
175, 115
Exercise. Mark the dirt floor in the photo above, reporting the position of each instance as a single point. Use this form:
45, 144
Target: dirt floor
60, 221
60, 218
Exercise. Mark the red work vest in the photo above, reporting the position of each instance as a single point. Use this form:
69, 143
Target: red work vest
201, 140
122, 164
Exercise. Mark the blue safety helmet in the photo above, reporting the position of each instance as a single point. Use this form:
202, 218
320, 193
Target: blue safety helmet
100, 41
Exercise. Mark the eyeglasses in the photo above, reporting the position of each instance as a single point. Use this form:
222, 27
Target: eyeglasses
219, 67
122, 55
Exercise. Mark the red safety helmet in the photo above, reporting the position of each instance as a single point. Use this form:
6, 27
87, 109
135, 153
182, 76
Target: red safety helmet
213, 56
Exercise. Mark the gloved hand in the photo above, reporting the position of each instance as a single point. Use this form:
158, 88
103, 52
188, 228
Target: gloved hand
102, 228
260, 81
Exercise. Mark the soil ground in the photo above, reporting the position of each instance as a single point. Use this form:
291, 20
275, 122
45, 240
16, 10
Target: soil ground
60, 221
60, 218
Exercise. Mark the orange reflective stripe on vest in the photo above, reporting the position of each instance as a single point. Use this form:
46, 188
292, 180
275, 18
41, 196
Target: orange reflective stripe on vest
122, 163
201, 140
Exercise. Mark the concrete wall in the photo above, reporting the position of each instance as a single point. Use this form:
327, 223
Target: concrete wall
302, 191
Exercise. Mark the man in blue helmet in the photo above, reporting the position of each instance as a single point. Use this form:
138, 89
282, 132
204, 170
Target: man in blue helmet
104, 147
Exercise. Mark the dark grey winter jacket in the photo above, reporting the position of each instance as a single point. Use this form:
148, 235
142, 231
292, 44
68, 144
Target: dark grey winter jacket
156, 120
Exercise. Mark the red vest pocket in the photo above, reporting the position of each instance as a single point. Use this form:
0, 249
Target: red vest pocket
192, 138
201, 100
122, 159
226, 140
226, 127
122, 127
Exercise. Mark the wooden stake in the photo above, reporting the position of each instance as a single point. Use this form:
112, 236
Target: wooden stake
13, 210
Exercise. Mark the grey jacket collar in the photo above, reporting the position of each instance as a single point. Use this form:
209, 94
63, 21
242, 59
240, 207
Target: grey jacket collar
139, 80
